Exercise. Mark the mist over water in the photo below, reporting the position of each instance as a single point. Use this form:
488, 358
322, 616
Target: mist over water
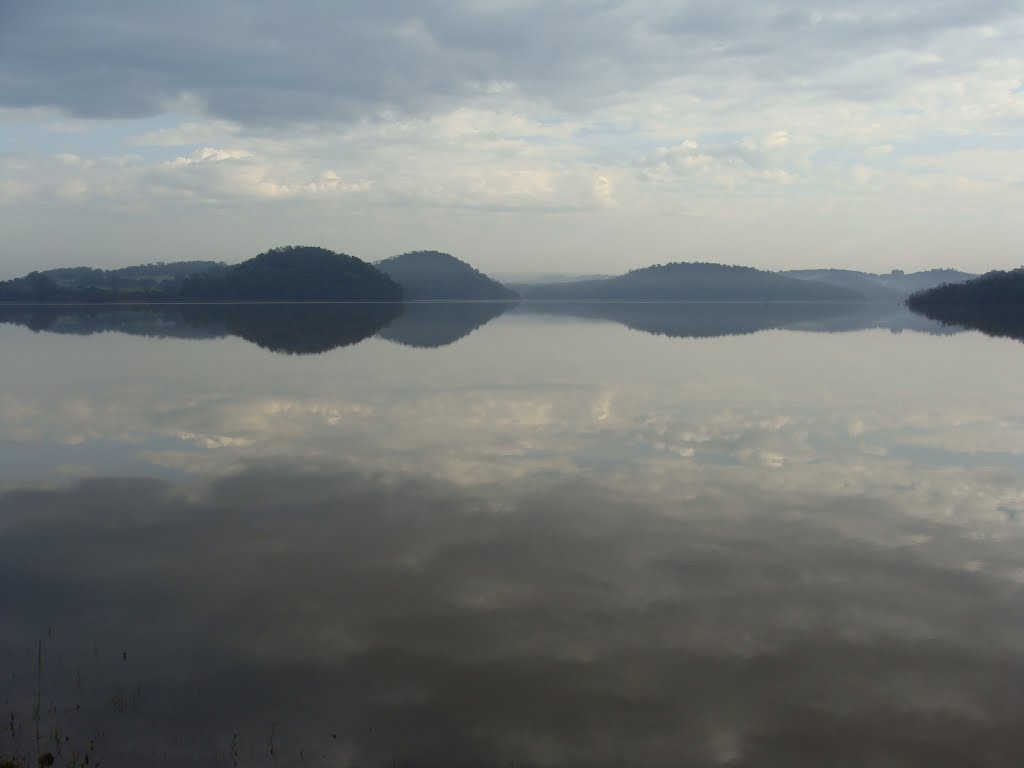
531, 536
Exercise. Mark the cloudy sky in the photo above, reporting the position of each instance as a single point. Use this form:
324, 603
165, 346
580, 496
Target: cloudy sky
522, 136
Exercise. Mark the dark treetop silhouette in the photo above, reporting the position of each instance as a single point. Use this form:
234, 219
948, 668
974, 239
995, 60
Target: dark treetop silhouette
295, 274
291, 273
992, 303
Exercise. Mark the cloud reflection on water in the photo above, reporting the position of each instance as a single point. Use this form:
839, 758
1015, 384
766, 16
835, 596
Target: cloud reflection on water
573, 623
556, 542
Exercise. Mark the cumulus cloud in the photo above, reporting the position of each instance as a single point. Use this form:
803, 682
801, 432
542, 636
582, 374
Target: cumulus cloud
222, 174
802, 122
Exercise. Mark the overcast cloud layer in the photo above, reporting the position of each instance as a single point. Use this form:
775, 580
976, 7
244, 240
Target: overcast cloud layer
521, 136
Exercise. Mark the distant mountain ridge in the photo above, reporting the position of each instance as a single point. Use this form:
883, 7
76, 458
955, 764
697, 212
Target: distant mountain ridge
694, 281
893, 286
309, 273
433, 275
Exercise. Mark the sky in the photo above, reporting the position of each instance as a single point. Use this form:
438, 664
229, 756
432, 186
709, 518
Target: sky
519, 135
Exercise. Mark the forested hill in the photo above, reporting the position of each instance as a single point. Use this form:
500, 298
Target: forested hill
159, 276
695, 281
136, 283
993, 288
294, 273
992, 303
426, 275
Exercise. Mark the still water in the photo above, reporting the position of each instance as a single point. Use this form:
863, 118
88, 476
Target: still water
490, 535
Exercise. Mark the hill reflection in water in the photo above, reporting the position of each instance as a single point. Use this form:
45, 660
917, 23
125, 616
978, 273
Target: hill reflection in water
557, 542
312, 328
711, 319
1006, 320
300, 329
437, 324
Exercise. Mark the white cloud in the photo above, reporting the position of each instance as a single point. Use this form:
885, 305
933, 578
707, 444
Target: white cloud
465, 123
189, 133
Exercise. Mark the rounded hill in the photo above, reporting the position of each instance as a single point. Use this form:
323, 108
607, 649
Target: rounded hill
295, 273
696, 281
426, 275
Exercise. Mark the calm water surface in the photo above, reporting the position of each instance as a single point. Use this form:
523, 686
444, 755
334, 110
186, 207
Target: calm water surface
486, 535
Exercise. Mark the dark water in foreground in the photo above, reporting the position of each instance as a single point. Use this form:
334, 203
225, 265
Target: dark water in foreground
492, 535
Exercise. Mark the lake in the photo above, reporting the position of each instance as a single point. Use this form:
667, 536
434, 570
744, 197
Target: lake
497, 535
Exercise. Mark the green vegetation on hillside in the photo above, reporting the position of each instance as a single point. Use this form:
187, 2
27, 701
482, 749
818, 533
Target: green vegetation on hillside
35, 286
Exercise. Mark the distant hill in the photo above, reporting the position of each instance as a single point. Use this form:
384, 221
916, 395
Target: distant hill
426, 275
908, 283
139, 283
894, 286
694, 282
521, 282
294, 273
291, 273
159, 276
863, 283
